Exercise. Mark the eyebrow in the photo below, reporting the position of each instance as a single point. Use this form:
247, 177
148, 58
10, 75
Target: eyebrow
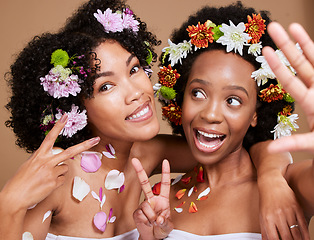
109, 73
235, 87
198, 80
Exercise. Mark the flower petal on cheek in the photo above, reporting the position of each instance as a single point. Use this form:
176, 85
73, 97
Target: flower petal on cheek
180, 193
27, 236
80, 188
90, 161
100, 221
114, 180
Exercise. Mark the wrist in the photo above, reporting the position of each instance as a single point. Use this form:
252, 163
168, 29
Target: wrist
11, 206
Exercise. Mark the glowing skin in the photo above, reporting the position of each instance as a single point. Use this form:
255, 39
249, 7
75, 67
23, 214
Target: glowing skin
123, 104
219, 105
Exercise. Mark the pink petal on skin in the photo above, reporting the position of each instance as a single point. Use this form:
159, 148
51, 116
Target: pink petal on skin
100, 221
114, 180
80, 188
110, 152
121, 188
111, 219
90, 161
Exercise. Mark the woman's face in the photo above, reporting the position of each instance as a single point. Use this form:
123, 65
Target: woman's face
122, 107
219, 105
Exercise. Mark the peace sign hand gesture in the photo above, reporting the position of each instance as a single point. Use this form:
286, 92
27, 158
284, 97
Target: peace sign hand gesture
152, 217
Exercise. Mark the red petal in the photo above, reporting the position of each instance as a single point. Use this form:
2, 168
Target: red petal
192, 208
186, 180
180, 205
200, 175
156, 188
180, 193
203, 198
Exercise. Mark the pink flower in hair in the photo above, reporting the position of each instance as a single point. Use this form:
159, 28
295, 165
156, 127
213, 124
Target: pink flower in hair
112, 22
76, 121
130, 22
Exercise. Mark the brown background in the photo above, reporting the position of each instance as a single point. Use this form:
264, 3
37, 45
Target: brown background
20, 20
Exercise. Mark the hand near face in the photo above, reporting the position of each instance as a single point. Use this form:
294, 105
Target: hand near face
43, 172
301, 87
152, 218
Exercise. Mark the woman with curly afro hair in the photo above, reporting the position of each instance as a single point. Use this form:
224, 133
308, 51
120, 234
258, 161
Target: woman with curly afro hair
90, 83
214, 82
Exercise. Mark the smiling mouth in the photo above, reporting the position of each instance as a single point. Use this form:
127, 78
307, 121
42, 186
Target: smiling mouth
139, 114
209, 140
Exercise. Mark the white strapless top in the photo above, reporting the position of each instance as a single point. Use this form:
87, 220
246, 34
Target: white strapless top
182, 235
132, 235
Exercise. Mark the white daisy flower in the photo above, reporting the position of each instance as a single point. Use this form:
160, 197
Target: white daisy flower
234, 37
285, 126
255, 49
177, 51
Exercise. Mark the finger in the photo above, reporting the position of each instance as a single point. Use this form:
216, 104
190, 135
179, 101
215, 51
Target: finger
263, 231
142, 176
303, 227
294, 143
290, 83
306, 43
51, 137
140, 218
164, 227
165, 180
74, 150
149, 212
283, 229
296, 58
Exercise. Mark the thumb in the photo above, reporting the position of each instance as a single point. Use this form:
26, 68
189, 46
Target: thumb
163, 227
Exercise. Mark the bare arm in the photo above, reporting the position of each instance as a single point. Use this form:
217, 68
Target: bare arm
36, 179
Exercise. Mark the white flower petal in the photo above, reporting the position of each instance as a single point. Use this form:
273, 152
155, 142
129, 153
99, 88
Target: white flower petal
46, 215
95, 196
112, 149
108, 155
114, 179
80, 188
177, 179
112, 219
103, 201
56, 151
204, 193
27, 236
178, 210
190, 191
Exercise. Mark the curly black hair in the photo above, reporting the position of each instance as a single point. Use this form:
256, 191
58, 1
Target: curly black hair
80, 36
266, 112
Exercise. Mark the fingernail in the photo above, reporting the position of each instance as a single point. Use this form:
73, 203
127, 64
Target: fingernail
94, 141
64, 118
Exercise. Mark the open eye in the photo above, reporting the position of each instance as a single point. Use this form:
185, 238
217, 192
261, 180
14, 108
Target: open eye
105, 87
234, 101
135, 69
197, 93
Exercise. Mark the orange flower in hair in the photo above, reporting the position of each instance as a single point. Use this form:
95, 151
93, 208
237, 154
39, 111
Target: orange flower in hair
168, 76
255, 27
272, 93
201, 35
173, 112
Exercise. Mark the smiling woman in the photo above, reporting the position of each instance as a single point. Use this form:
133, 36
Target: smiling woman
99, 62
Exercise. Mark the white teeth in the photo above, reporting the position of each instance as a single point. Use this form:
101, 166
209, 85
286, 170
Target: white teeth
141, 113
209, 135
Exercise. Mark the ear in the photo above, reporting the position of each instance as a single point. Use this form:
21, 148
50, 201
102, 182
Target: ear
254, 120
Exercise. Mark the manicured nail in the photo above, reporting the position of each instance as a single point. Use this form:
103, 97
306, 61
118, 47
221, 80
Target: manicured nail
94, 141
64, 118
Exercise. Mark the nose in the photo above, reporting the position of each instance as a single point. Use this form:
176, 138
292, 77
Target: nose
212, 112
134, 92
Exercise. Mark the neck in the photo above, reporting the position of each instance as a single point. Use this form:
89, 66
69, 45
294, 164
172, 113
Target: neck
235, 168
